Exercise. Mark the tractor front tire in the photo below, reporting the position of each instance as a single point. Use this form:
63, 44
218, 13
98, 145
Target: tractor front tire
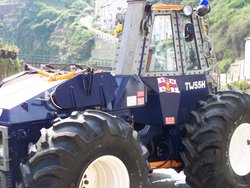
218, 142
89, 150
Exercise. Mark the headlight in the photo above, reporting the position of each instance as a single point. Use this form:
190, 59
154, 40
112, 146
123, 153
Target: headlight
188, 10
4, 149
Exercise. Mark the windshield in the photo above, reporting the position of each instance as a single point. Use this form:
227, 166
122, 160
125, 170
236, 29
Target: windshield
161, 56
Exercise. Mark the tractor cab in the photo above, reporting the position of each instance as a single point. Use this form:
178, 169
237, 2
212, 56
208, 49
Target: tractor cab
169, 52
174, 43
174, 66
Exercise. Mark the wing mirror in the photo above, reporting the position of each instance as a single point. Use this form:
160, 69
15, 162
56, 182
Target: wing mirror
203, 10
189, 32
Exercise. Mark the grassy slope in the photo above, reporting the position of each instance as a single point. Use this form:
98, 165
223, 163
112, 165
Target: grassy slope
51, 28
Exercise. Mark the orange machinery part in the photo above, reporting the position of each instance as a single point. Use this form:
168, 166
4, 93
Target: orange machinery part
165, 164
167, 7
61, 77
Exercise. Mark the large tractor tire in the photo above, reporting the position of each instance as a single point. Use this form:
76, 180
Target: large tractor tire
89, 150
218, 142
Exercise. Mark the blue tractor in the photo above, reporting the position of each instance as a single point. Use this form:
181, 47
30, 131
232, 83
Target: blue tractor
159, 109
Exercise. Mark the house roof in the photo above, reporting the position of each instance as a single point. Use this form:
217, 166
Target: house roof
107, 3
238, 62
110, 2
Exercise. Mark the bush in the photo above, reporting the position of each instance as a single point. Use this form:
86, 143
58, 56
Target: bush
224, 65
8, 51
8, 67
241, 85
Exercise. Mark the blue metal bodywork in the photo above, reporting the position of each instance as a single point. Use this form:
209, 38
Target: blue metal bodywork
85, 91
24, 111
156, 106
175, 106
162, 105
31, 103
128, 86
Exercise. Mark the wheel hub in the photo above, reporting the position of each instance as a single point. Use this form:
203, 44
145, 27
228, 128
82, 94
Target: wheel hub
105, 172
239, 150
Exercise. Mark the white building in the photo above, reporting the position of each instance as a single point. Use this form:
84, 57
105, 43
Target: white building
245, 66
234, 73
240, 69
108, 10
98, 4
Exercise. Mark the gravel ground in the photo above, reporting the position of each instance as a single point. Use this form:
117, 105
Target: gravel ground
162, 178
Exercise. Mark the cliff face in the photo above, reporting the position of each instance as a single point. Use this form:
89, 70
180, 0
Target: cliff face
11, 10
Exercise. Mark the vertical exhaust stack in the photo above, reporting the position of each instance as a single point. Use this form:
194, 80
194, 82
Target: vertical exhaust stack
131, 39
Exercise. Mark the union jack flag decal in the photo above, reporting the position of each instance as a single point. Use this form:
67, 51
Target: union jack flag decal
167, 85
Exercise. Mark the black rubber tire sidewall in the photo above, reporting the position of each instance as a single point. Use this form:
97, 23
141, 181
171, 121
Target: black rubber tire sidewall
209, 133
65, 150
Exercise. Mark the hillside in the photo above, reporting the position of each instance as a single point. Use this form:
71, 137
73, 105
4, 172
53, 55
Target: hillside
51, 29
48, 29
229, 27
8, 14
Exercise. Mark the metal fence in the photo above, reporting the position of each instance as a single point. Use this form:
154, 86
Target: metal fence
98, 64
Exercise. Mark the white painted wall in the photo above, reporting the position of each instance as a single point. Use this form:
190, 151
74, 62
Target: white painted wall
109, 9
245, 67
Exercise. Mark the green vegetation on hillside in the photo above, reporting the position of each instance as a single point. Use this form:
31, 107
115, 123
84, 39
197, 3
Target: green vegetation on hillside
228, 27
9, 64
240, 85
51, 28
8, 67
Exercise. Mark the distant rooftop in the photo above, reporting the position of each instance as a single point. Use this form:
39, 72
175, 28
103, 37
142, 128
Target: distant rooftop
238, 62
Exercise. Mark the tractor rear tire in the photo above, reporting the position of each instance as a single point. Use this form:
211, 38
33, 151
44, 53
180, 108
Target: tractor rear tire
89, 150
218, 142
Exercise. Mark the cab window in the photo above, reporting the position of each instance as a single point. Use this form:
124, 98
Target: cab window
190, 48
161, 57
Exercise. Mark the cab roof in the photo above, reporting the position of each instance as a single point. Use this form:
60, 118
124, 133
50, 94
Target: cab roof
167, 7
